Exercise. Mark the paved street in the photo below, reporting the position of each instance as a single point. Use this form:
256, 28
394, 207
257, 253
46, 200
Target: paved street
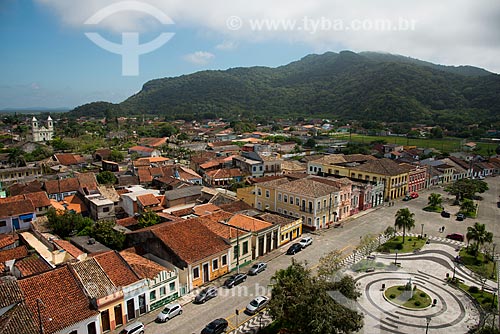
374, 221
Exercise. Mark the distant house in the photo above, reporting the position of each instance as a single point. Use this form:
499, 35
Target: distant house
182, 196
223, 177
69, 159
102, 154
16, 215
144, 151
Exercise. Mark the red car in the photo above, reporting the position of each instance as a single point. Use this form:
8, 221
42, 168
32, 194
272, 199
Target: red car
456, 236
414, 195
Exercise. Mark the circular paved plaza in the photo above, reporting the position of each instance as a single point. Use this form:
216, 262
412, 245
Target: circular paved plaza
454, 311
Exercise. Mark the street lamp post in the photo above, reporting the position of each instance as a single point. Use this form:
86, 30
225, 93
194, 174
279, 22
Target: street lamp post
396, 259
493, 257
428, 319
454, 267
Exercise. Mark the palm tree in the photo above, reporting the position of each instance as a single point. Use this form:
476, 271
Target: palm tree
478, 234
435, 200
468, 207
404, 220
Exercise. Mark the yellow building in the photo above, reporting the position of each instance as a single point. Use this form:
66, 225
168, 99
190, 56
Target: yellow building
290, 228
367, 168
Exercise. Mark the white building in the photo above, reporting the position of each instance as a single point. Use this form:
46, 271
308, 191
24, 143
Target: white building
41, 131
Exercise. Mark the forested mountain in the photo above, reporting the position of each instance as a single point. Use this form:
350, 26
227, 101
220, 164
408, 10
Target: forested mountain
370, 86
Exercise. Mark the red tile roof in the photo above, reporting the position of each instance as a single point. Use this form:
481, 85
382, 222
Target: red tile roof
32, 265
190, 240
204, 209
7, 240
18, 319
69, 248
67, 185
143, 267
116, 268
68, 159
126, 222
16, 208
39, 199
236, 206
148, 200
62, 299
248, 223
12, 254
141, 149
224, 173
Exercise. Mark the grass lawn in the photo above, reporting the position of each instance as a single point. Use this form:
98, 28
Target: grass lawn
419, 300
485, 299
365, 264
444, 144
395, 244
437, 209
477, 264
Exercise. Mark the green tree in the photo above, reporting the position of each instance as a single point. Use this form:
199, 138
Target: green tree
436, 132
16, 157
106, 177
68, 223
104, 232
59, 144
301, 303
329, 265
389, 232
467, 207
148, 218
466, 188
404, 220
116, 156
435, 200
478, 235
310, 143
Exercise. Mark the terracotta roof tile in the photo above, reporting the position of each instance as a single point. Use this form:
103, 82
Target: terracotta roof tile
32, 265
13, 254
143, 267
224, 173
141, 149
148, 200
144, 175
19, 319
381, 166
62, 299
68, 247
190, 240
308, 187
8, 209
126, 222
204, 209
236, 206
7, 240
39, 199
215, 223
68, 159
70, 184
276, 219
248, 223
116, 268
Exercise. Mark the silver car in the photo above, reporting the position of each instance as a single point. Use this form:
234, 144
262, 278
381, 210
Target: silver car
170, 311
257, 268
257, 304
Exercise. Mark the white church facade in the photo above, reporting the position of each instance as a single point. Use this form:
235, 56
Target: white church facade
42, 131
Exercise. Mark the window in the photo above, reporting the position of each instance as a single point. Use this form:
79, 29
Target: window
267, 193
245, 247
235, 251
279, 197
152, 295
297, 201
279, 210
285, 212
260, 168
310, 168
285, 198
196, 273
319, 205
215, 264
259, 192
224, 260
171, 286
163, 291
3, 223
291, 199
91, 329
309, 221
324, 203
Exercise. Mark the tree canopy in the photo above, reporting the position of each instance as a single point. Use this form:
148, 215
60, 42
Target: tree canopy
478, 235
466, 188
404, 220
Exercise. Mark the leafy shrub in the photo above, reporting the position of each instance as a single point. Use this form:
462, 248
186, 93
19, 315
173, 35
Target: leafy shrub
486, 300
409, 239
417, 303
399, 246
422, 294
473, 289
401, 288
392, 296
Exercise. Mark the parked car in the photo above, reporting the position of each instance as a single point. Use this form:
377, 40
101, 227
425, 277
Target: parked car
339, 224
305, 241
257, 268
371, 257
460, 217
407, 198
257, 304
445, 214
206, 294
217, 326
414, 195
135, 328
455, 236
170, 311
235, 280
293, 249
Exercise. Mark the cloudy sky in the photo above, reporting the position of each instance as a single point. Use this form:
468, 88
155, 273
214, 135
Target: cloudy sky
63, 53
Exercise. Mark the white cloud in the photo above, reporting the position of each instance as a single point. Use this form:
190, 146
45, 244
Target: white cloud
226, 46
199, 57
447, 31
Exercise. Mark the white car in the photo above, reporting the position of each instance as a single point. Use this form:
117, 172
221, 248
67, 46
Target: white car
305, 241
170, 311
257, 304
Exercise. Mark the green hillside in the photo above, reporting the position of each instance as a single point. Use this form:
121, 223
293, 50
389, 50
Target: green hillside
368, 86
